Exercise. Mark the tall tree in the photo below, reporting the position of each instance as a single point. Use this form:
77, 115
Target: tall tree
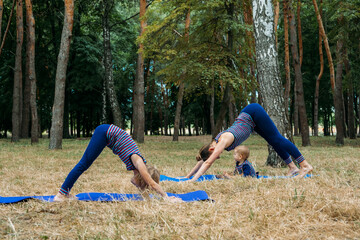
31, 73
287, 58
317, 84
268, 71
228, 95
338, 106
299, 91
350, 100
56, 131
179, 102
17, 91
338, 99
8, 25
108, 64
139, 88
1, 13
299, 31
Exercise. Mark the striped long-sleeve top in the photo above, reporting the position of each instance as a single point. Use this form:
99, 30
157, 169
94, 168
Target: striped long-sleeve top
241, 129
121, 143
245, 168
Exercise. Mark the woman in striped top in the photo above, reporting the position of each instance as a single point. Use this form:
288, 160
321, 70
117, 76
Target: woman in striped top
122, 145
252, 118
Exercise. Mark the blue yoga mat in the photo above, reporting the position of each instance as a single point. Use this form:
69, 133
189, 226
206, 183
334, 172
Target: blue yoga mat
271, 177
109, 197
213, 177
183, 179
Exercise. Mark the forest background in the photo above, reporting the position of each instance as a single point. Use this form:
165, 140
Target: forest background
173, 67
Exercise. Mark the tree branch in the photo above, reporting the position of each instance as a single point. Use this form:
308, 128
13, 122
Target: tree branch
125, 20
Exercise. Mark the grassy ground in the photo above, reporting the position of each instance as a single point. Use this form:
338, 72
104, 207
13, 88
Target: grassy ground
324, 207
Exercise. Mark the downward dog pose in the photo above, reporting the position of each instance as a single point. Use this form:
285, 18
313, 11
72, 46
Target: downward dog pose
252, 118
122, 145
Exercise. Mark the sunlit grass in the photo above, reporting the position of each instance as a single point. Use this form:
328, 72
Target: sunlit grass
324, 207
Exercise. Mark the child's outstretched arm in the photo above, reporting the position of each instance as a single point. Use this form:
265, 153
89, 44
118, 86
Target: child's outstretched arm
141, 167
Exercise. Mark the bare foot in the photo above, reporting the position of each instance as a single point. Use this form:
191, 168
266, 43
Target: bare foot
305, 169
61, 198
292, 172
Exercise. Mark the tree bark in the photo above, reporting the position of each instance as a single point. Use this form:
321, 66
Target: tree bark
299, 32
17, 92
109, 78
338, 99
268, 71
212, 105
7, 27
276, 20
304, 126
179, 103
317, 85
138, 104
56, 131
30, 54
287, 58
1, 13
181, 85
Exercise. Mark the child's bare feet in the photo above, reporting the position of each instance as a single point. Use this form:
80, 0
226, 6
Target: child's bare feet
61, 197
305, 168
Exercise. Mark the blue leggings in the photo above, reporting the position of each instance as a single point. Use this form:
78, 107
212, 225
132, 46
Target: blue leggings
96, 145
266, 128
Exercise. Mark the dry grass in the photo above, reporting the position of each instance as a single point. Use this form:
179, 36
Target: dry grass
324, 207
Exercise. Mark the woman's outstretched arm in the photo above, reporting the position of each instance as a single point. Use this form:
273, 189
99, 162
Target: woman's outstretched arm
225, 141
195, 169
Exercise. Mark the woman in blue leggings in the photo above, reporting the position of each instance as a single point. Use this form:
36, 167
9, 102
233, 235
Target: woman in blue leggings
122, 145
252, 118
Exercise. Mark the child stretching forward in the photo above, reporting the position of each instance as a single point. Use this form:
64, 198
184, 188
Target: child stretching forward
122, 145
243, 166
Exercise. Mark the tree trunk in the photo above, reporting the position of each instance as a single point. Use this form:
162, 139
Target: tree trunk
181, 85
338, 106
166, 108
296, 112
268, 71
351, 99
25, 123
30, 54
304, 126
1, 13
338, 100
317, 86
109, 78
287, 59
103, 94
223, 109
212, 105
227, 95
299, 32
56, 131
178, 111
138, 104
7, 27
17, 92
276, 20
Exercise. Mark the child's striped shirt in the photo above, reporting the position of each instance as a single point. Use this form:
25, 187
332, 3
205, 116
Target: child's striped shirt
241, 129
245, 168
121, 143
